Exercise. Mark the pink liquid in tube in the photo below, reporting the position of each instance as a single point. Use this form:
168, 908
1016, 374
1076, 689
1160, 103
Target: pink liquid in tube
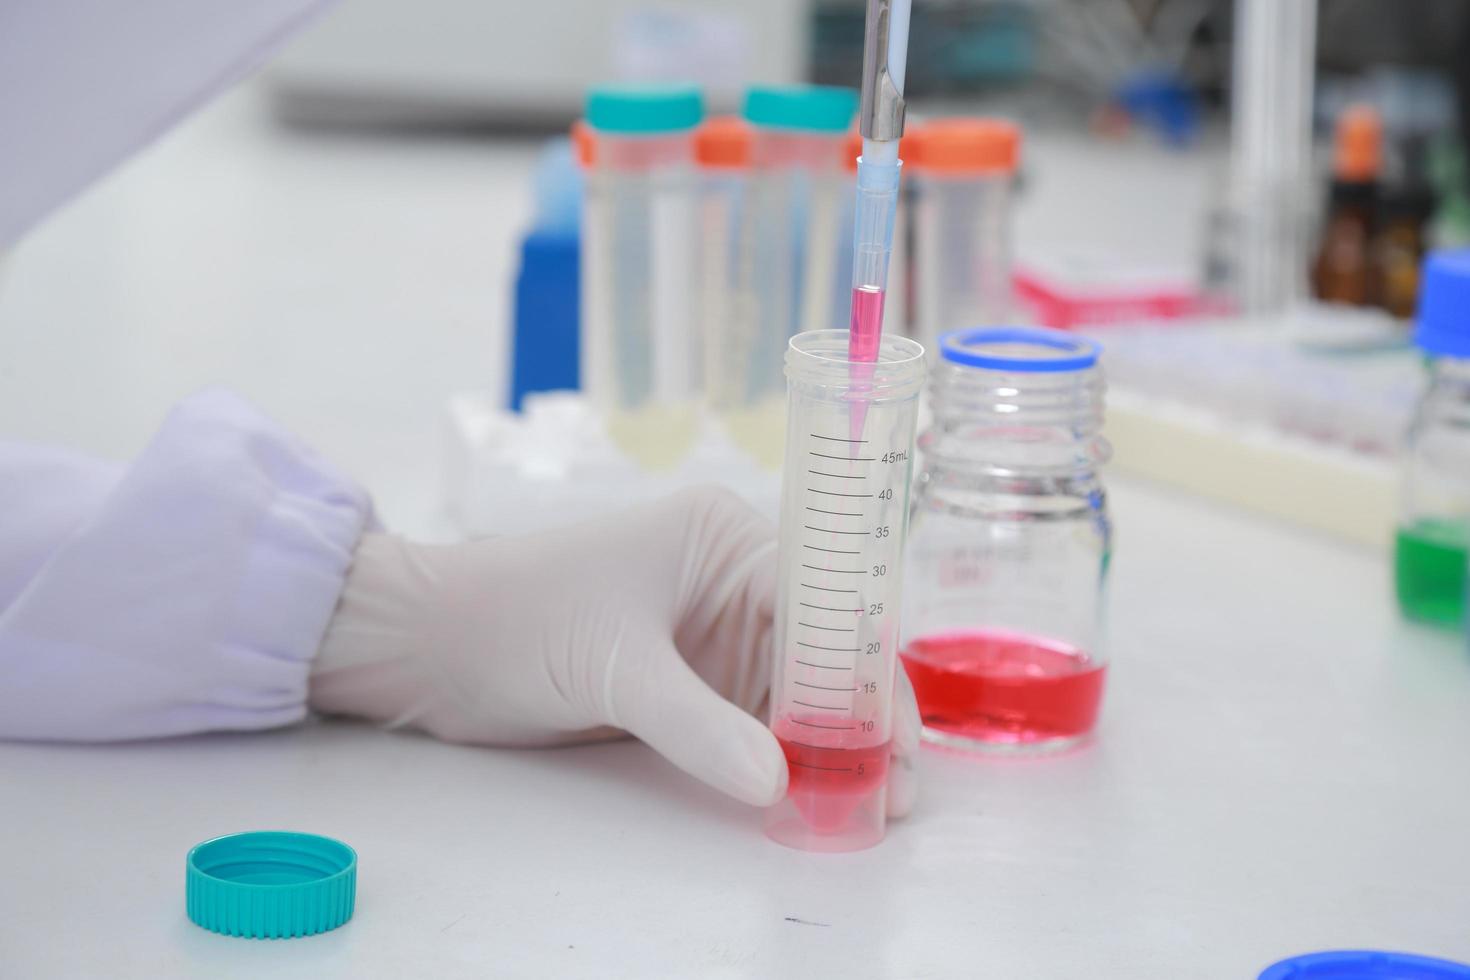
866, 328
836, 795
864, 333
828, 784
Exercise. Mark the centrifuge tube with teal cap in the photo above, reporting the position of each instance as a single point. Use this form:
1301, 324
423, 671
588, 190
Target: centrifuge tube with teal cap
788, 254
642, 360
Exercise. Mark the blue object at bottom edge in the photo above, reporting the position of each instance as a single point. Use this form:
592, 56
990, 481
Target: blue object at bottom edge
1365, 964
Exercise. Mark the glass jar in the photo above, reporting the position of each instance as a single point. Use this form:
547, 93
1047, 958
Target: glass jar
1009, 543
1434, 526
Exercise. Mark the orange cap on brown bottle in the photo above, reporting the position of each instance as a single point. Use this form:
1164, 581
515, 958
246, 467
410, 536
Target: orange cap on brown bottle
1358, 150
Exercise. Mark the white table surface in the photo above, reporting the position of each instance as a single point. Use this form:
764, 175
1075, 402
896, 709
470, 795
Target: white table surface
1282, 765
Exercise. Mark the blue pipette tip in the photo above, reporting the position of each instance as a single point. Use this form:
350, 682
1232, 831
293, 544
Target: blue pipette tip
1365, 964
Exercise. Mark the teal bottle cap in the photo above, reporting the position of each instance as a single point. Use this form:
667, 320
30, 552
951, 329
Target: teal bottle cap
813, 108
270, 884
644, 110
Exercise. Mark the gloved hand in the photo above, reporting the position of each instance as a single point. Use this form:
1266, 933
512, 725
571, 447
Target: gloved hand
655, 621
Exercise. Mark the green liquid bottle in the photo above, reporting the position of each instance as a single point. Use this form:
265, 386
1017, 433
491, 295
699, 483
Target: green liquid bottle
1430, 552
1430, 571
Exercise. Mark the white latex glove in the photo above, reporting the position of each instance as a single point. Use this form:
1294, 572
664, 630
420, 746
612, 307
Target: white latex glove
655, 621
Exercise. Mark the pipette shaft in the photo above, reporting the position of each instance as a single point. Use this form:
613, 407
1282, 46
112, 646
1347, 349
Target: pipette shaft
880, 121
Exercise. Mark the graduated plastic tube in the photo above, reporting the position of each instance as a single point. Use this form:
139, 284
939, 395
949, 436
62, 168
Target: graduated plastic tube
844, 515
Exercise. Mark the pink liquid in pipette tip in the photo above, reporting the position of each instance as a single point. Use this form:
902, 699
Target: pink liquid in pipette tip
866, 328
864, 334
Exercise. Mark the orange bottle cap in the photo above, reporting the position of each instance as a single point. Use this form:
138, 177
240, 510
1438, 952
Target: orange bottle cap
1358, 149
583, 143
852, 150
723, 142
967, 146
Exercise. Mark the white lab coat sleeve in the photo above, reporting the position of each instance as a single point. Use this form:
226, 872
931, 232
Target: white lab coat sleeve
85, 83
185, 593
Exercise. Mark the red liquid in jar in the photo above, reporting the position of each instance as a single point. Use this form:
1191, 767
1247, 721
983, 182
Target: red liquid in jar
827, 783
1005, 688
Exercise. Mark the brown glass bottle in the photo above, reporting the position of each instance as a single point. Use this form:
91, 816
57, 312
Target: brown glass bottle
1398, 253
1407, 205
1345, 270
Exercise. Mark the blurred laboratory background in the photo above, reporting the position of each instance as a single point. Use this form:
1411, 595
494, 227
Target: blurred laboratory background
404, 208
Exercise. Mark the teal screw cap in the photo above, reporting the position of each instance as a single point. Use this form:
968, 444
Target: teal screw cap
813, 108
270, 884
644, 109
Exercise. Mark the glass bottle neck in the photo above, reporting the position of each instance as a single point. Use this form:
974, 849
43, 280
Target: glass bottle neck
1450, 370
1016, 423
1447, 398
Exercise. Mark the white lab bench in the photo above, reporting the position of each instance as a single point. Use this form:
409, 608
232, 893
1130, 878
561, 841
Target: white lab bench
1282, 766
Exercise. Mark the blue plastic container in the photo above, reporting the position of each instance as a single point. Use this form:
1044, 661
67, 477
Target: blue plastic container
547, 342
1365, 964
545, 333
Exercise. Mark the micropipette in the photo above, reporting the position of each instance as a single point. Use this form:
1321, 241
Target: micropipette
852, 403
880, 121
